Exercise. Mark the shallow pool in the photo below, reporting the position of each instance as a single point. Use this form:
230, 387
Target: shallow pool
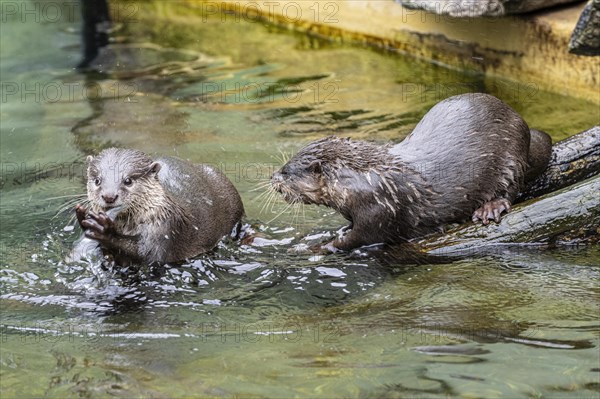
255, 321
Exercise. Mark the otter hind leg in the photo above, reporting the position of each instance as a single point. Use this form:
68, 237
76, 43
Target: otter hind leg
491, 210
540, 151
349, 240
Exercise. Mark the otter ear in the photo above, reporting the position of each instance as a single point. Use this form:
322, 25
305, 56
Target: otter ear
154, 168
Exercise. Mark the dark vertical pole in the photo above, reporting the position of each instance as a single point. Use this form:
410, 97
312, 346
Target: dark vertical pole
96, 21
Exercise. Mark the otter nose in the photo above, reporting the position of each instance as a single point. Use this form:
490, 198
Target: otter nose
109, 198
276, 177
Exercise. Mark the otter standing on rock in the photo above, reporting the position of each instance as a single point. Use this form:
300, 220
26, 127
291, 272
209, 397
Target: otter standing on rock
469, 156
166, 210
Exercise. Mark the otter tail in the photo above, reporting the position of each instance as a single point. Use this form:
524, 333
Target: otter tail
540, 151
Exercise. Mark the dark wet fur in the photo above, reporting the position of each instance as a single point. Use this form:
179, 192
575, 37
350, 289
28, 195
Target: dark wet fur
173, 209
467, 150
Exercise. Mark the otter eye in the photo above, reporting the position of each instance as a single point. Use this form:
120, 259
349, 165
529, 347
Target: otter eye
127, 181
284, 170
314, 167
97, 181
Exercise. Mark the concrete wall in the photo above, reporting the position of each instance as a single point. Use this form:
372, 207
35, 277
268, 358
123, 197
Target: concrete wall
530, 49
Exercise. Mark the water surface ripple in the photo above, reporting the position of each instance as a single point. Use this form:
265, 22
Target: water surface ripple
256, 320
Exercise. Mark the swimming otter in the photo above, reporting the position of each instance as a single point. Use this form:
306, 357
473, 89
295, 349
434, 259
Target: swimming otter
468, 157
167, 210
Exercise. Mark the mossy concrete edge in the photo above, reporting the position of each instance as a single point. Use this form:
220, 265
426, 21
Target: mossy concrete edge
531, 49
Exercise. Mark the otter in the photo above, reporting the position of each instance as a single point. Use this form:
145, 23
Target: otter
167, 210
469, 156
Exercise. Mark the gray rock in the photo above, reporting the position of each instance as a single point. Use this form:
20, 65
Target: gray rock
585, 39
478, 8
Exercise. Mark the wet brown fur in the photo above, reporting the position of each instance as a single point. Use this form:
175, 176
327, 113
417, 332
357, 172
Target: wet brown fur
466, 152
173, 209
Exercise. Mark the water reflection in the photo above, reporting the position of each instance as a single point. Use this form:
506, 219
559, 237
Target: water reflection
255, 320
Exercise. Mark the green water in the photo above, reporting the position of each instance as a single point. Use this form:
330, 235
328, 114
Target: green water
255, 321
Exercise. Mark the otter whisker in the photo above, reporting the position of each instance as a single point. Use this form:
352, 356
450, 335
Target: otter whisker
285, 209
280, 157
268, 194
62, 210
303, 213
270, 201
263, 191
276, 198
268, 198
260, 186
72, 202
294, 212
66, 196
86, 202
69, 205
71, 220
260, 196
266, 203
295, 219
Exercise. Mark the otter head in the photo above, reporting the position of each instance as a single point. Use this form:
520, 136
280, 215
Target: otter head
121, 178
318, 173
301, 180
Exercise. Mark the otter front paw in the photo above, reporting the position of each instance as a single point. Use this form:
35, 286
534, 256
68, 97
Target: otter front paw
330, 248
491, 210
81, 214
98, 227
